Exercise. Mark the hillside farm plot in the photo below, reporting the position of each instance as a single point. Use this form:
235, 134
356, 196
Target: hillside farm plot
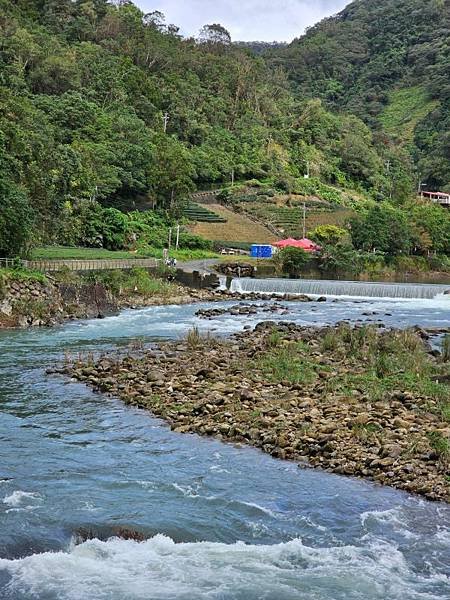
289, 220
197, 212
233, 227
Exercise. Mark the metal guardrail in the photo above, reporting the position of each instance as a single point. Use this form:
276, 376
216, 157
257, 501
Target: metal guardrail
48, 266
10, 263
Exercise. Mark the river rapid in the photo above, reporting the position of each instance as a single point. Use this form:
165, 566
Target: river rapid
223, 522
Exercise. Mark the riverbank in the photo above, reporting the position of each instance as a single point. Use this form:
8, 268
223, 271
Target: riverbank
355, 401
32, 299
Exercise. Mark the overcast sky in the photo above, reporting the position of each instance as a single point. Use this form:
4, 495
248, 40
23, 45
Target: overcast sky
247, 20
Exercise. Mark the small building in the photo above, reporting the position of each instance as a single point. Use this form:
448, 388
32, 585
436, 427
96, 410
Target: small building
437, 197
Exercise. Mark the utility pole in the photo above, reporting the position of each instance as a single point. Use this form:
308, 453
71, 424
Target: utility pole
304, 220
232, 177
420, 187
170, 238
307, 170
166, 120
178, 237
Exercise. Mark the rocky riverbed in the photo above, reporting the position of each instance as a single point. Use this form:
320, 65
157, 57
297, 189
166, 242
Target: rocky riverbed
242, 309
359, 401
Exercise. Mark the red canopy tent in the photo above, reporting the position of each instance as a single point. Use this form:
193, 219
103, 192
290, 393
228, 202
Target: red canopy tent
305, 244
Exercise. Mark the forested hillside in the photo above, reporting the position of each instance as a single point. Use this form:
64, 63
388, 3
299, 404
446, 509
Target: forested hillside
387, 61
84, 87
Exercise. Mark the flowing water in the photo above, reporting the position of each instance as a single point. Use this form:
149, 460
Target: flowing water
223, 522
339, 288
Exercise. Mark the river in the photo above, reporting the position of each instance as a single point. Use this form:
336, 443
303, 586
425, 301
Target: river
223, 522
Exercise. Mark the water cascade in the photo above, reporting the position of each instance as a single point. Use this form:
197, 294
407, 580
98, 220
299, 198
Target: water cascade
222, 282
338, 288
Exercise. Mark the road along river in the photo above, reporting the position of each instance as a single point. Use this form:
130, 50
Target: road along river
222, 522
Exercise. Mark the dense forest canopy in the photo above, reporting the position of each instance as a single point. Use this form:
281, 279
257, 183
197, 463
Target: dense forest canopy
388, 62
85, 85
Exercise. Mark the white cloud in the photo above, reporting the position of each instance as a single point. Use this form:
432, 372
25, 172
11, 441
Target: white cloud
249, 20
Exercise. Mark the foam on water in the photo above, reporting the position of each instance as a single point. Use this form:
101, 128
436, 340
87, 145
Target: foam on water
159, 569
338, 288
18, 497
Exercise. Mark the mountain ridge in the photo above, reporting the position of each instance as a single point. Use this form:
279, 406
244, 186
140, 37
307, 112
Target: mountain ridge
354, 60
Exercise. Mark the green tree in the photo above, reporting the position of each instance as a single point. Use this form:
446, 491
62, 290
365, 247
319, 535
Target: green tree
382, 228
328, 234
435, 222
340, 258
16, 220
171, 172
215, 34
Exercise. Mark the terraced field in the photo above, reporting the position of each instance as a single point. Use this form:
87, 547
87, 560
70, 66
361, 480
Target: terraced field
233, 228
289, 220
197, 212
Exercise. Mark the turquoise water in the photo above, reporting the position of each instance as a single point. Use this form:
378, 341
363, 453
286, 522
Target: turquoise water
223, 522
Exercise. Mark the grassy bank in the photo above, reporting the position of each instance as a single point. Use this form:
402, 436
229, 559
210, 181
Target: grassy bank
136, 283
67, 253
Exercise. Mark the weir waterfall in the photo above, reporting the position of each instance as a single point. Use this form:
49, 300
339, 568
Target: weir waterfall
353, 289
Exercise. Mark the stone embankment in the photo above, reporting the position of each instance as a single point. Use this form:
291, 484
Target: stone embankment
355, 401
237, 269
31, 302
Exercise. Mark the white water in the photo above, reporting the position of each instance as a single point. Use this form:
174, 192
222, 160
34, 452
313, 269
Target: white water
222, 282
161, 570
353, 289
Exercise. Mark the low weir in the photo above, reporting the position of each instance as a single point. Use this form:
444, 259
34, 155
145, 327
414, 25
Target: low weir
316, 287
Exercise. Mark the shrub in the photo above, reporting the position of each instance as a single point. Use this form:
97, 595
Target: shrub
194, 242
440, 444
440, 262
292, 260
114, 225
224, 195
410, 263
